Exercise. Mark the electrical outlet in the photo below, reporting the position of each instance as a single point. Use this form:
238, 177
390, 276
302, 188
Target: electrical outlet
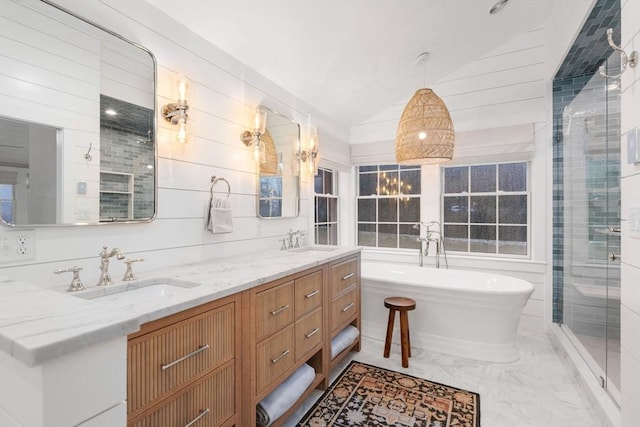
17, 245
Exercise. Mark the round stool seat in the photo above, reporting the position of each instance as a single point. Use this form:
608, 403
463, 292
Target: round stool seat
400, 303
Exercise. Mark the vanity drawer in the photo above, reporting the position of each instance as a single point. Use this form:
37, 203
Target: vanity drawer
211, 399
343, 309
308, 293
167, 358
343, 276
273, 357
274, 310
309, 332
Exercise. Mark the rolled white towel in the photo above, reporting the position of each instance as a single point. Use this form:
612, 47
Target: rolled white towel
344, 339
284, 396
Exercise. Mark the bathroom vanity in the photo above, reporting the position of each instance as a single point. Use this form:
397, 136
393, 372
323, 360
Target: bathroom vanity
205, 341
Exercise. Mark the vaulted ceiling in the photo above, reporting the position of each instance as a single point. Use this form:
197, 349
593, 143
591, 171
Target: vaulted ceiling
351, 59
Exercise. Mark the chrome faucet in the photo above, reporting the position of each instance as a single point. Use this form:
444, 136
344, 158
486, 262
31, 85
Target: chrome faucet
431, 236
105, 277
287, 243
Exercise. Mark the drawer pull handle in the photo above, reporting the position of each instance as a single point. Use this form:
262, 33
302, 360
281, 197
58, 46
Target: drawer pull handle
312, 333
200, 349
348, 276
284, 353
280, 310
203, 412
313, 294
348, 307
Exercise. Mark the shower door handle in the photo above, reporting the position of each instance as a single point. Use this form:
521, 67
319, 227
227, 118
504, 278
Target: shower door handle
614, 257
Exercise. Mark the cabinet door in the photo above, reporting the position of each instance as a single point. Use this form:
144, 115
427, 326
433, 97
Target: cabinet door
167, 358
274, 356
308, 332
274, 310
343, 276
208, 403
308, 292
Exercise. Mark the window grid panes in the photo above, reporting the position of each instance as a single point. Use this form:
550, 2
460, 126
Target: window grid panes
388, 206
271, 196
7, 202
326, 207
485, 209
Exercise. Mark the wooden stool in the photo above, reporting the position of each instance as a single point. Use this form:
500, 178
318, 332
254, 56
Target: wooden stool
403, 305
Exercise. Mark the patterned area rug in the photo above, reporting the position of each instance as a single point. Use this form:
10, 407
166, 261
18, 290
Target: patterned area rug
365, 395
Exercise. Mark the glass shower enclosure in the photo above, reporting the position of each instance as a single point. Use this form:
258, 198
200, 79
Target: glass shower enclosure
590, 299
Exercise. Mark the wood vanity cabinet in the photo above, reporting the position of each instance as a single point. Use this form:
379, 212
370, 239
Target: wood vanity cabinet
284, 324
344, 302
214, 363
184, 368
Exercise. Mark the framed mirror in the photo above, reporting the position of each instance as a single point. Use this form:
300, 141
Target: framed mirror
77, 121
279, 168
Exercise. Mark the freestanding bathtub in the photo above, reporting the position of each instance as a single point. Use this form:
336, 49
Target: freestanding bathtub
462, 313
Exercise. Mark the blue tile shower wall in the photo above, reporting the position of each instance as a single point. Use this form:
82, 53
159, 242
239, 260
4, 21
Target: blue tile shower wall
116, 145
588, 52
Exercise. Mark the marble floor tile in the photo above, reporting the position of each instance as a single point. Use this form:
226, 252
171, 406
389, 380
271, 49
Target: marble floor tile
535, 391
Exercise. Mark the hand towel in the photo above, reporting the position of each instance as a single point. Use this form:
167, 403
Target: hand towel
218, 216
343, 340
284, 396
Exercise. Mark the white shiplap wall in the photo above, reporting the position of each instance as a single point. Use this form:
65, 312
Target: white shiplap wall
630, 270
223, 95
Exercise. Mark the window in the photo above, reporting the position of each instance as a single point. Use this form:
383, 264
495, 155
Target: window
7, 202
326, 207
485, 209
388, 206
271, 196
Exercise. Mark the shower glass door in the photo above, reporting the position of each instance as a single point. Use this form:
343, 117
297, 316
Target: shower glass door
591, 209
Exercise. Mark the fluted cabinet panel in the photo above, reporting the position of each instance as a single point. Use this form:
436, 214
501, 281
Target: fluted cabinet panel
166, 359
208, 402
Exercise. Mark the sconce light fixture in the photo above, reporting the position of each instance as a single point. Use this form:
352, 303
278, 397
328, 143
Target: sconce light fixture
309, 155
425, 133
254, 138
176, 112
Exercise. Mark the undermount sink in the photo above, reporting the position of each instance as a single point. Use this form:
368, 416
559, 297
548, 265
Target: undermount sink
320, 248
138, 292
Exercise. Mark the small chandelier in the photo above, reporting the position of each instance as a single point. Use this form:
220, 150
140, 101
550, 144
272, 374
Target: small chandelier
425, 133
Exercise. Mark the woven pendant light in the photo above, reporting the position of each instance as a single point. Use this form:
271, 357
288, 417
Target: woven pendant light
425, 133
270, 164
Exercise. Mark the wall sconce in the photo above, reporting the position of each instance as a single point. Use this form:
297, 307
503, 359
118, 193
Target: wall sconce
176, 112
250, 138
310, 154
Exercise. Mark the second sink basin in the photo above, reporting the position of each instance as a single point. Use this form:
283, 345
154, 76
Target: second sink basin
321, 248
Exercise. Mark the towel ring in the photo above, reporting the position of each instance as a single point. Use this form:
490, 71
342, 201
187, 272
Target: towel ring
215, 180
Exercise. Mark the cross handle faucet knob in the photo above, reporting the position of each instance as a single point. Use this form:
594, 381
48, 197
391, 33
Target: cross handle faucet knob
128, 275
76, 283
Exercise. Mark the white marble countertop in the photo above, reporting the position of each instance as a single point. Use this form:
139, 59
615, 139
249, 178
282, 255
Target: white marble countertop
38, 324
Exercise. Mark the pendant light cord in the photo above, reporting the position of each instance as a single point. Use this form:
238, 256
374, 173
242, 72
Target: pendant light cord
422, 59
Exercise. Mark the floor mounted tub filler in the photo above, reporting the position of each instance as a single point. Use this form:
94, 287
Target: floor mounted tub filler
463, 313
